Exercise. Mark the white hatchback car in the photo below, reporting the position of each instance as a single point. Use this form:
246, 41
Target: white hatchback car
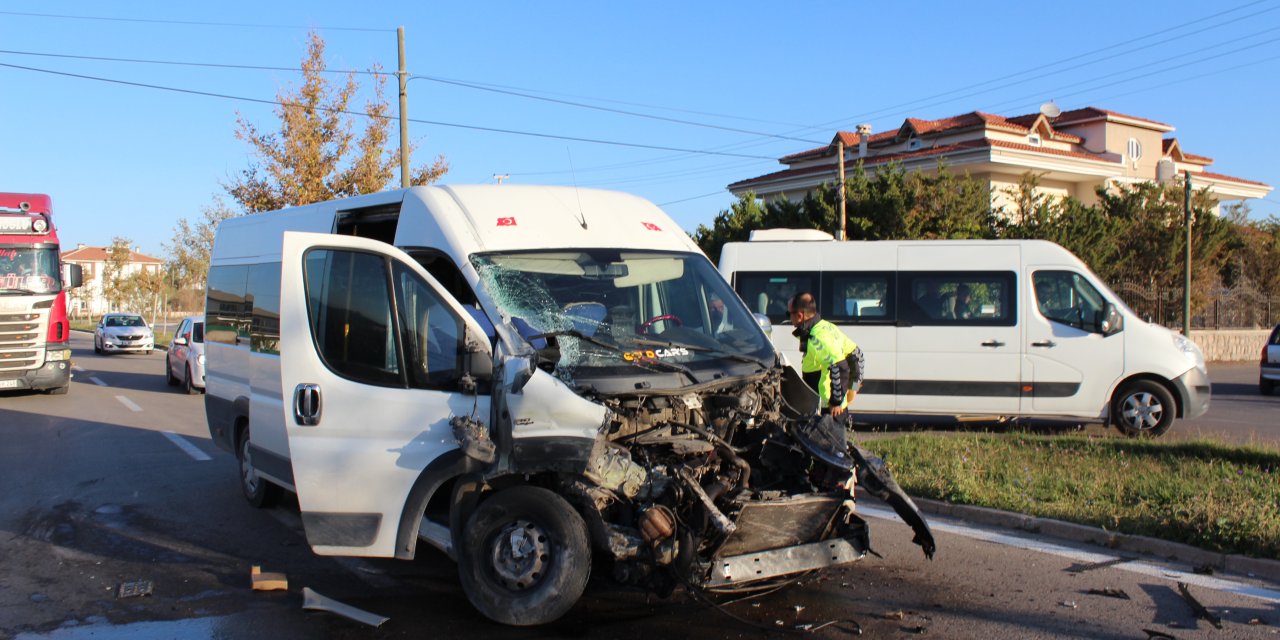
184, 363
123, 332
1269, 376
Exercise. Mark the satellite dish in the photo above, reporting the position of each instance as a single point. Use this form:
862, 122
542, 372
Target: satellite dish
1050, 110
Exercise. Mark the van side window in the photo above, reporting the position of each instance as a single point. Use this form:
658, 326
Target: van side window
349, 308
769, 292
958, 298
432, 335
1067, 298
226, 307
857, 297
264, 308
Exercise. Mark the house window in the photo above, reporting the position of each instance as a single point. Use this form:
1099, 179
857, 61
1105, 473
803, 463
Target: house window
1034, 139
913, 144
1135, 149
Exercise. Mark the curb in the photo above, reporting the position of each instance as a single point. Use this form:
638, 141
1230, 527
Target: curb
1195, 556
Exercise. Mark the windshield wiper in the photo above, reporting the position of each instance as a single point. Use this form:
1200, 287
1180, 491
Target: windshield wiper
732, 355
643, 364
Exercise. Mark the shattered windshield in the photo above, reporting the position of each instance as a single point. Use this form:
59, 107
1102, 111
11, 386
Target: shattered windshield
24, 270
611, 312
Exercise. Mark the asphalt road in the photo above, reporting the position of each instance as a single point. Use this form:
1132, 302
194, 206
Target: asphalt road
117, 482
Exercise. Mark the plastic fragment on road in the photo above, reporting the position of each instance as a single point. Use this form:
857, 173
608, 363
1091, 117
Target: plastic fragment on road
267, 581
316, 602
1198, 608
134, 589
1152, 634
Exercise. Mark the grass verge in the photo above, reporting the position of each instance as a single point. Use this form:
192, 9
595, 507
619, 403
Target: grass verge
1205, 494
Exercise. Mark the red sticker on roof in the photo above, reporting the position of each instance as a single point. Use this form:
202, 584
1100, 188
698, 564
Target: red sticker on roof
651, 226
507, 222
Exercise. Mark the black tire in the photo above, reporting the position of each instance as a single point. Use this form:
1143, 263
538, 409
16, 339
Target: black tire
555, 561
96, 348
169, 378
257, 490
1143, 408
186, 383
1266, 387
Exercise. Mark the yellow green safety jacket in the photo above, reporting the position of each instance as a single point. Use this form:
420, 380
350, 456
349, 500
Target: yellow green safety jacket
832, 361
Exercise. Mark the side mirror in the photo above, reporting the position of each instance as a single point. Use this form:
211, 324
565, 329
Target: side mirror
72, 276
179, 341
1112, 322
765, 323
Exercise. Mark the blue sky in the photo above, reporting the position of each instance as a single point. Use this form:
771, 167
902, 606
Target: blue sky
764, 78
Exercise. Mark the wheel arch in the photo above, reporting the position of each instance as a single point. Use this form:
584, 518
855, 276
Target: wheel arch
1179, 396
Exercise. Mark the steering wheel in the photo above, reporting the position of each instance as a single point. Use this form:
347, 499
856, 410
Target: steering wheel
671, 317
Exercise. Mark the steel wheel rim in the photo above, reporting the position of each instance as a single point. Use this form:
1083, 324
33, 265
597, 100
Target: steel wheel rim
247, 475
1142, 411
519, 555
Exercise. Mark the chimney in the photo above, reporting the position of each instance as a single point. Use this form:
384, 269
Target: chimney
80, 246
864, 132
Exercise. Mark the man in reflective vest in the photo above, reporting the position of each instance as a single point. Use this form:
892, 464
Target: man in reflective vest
833, 363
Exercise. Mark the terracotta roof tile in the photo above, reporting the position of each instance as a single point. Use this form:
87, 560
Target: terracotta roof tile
99, 254
1087, 113
1224, 178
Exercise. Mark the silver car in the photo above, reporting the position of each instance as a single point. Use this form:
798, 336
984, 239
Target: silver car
123, 332
184, 363
1269, 374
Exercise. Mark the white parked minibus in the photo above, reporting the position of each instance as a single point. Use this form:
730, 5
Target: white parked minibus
976, 328
521, 376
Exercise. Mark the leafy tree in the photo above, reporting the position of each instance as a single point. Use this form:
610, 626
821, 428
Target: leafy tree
732, 225
189, 252
115, 286
315, 156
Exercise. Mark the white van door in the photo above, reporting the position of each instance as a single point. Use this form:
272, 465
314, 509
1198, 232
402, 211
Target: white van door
1071, 365
371, 357
959, 341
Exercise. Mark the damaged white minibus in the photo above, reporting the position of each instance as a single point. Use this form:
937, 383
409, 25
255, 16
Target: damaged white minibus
532, 379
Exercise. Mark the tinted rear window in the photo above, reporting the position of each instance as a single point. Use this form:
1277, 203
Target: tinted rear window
197, 333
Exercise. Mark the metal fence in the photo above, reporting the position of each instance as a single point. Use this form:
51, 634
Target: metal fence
1242, 307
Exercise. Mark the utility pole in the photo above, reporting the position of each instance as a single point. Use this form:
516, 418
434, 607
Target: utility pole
840, 152
500, 177
404, 112
1186, 279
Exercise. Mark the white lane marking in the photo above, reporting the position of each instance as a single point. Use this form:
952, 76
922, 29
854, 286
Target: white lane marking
133, 406
98, 381
1144, 568
76, 367
186, 446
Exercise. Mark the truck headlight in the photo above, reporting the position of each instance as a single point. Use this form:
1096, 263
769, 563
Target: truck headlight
1191, 351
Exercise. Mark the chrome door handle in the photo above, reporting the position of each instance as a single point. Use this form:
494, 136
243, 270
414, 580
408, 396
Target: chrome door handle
1046, 343
306, 404
993, 343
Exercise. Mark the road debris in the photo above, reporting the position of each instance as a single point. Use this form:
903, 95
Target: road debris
1203, 569
1158, 635
267, 581
1109, 592
134, 589
1082, 567
1257, 621
1198, 608
316, 602
894, 615
1068, 604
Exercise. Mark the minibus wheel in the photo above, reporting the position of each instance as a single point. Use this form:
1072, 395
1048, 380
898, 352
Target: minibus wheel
525, 558
257, 490
1143, 408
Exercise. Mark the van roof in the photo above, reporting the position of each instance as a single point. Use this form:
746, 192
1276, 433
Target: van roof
789, 235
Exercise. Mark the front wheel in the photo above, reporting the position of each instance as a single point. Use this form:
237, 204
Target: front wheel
1143, 408
1266, 387
169, 378
186, 383
525, 557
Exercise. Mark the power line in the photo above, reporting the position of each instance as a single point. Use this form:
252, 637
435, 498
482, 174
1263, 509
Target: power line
367, 115
611, 110
193, 23
251, 67
705, 195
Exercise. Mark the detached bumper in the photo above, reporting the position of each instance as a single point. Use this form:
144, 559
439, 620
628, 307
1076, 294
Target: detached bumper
1193, 391
750, 567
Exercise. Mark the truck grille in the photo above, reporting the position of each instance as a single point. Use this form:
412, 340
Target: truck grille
21, 341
